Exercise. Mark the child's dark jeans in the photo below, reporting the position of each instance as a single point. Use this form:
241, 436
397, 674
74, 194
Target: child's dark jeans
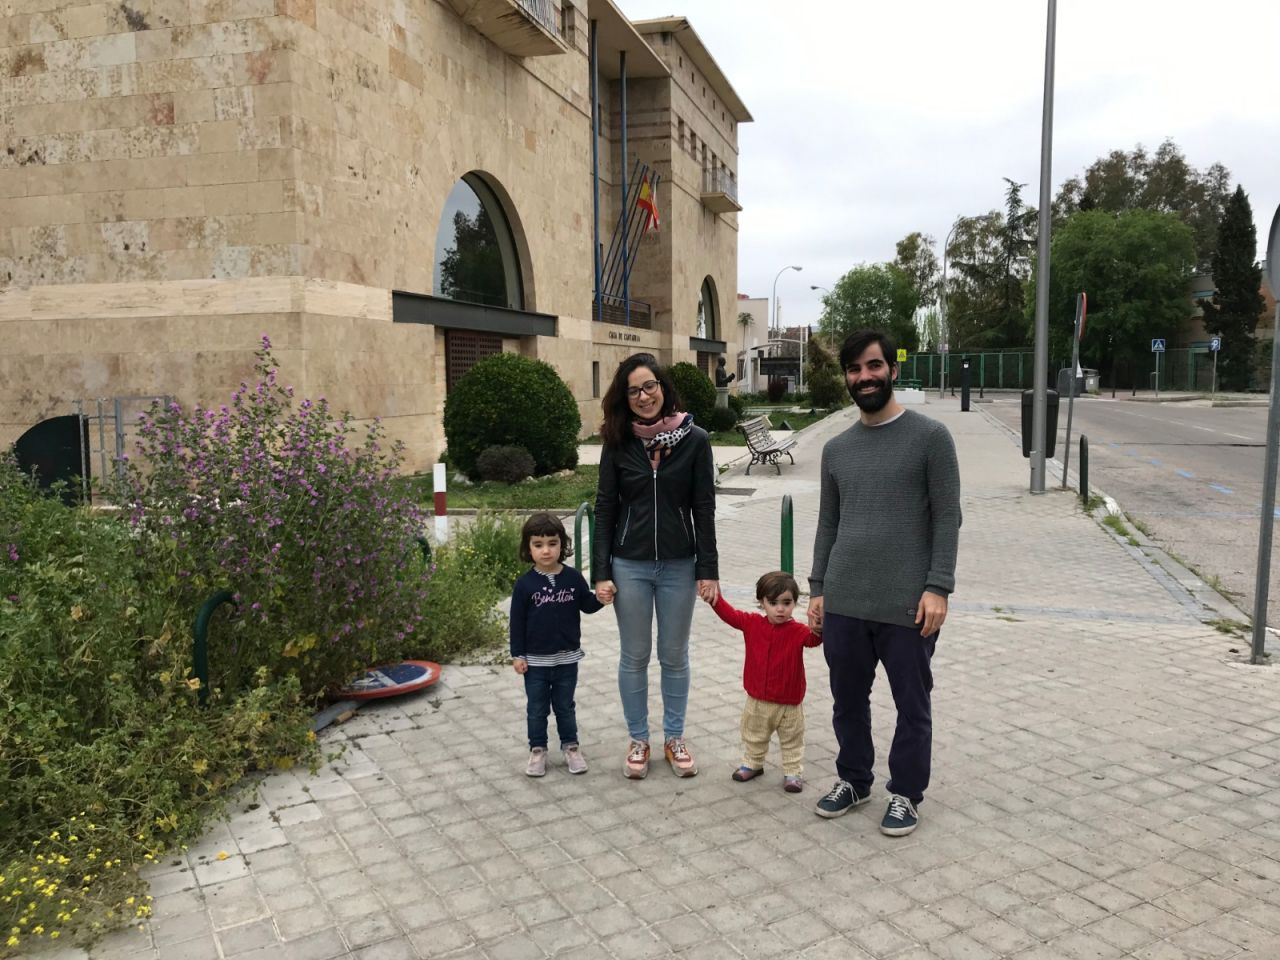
547, 689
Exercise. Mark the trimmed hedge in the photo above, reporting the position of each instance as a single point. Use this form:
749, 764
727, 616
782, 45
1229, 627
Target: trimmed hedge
697, 392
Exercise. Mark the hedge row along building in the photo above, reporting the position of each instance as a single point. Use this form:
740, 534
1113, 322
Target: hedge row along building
388, 189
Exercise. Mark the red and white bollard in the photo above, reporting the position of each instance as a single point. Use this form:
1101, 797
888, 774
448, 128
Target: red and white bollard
442, 511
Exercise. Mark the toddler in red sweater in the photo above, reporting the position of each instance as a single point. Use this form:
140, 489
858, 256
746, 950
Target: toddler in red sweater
773, 676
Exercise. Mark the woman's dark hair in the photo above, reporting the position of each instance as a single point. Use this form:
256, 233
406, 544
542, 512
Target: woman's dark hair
616, 427
774, 584
858, 341
544, 525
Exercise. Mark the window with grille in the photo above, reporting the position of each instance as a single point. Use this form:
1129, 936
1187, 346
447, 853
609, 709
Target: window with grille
463, 349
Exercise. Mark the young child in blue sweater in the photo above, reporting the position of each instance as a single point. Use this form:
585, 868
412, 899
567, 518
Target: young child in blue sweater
546, 638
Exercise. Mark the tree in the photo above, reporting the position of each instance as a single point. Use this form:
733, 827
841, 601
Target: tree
826, 385
876, 295
1134, 266
916, 259
1237, 302
1162, 181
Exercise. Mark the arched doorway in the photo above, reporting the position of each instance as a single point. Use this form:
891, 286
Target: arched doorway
708, 311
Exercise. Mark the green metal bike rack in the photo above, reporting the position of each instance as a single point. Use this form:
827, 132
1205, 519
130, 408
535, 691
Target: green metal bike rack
788, 536
585, 508
200, 635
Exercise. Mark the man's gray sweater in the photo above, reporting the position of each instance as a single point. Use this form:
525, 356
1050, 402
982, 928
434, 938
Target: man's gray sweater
889, 520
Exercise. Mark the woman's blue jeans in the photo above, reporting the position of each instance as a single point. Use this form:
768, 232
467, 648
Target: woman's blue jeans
643, 586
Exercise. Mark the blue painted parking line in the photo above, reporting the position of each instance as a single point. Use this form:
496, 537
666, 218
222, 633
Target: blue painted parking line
1220, 488
1186, 473
1154, 462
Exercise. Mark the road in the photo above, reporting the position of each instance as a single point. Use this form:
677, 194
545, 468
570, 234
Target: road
1190, 473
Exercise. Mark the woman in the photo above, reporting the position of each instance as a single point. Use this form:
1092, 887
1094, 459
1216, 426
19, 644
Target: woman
654, 547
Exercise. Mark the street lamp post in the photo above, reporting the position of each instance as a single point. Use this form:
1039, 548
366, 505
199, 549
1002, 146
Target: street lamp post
942, 302
774, 304
1040, 382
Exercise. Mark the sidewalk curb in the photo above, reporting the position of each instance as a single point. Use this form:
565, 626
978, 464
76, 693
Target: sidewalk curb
1183, 584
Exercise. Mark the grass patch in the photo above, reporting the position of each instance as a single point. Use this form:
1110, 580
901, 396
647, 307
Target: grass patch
1008, 619
1116, 525
541, 493
1230, 627
1139, 525
1094, 502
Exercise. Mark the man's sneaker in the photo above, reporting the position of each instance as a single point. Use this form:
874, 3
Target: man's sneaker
537, 762
901, 817
678, 755
637, 765
842, 798
745, 773
792, 784
574, 759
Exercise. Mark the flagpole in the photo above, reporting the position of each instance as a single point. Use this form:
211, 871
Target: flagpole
626, 274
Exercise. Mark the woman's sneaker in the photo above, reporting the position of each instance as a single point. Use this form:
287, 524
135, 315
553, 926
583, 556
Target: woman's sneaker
574, 759
678, 755
637, 765
900, 818
537, 766
842, 798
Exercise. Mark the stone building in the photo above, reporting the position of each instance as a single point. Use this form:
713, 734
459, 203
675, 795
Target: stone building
389, 189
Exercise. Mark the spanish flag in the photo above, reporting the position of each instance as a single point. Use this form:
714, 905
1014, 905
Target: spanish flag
645, 202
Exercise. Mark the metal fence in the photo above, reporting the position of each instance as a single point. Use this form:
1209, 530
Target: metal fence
1181, 369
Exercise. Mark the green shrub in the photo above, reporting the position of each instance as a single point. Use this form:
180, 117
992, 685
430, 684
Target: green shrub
506, 464
722, 418
508, 399
697, 392
106, 759
738, 405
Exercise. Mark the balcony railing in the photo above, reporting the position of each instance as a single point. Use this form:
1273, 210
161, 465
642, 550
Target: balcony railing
720, 191
614, 310
523, 28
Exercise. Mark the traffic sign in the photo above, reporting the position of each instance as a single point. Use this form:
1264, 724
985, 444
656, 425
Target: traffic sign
1157, 345
1215, 344
902, 355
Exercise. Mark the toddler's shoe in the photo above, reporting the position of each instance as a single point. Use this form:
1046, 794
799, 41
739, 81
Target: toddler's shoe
637, 765
678, 755
792, 784
537, 766
574, 759
745, 773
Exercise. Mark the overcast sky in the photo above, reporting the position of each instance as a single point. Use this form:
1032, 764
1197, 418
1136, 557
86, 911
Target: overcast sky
876, 119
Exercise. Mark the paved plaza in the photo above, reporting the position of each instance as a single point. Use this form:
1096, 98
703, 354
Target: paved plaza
1106, 784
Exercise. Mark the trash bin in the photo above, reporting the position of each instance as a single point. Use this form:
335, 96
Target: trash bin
1050, 420
1064, 383
1092, 381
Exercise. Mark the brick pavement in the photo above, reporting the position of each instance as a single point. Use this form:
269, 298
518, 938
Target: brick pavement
1106, 785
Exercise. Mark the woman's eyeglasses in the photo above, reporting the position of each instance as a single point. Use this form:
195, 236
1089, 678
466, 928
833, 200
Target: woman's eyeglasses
649, 387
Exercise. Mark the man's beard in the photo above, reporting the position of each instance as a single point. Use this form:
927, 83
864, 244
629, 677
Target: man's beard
871, 402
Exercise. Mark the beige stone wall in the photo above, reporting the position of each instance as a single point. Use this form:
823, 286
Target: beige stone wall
186, 175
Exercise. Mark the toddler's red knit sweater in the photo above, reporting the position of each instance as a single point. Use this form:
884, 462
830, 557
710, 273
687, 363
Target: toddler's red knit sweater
774, 666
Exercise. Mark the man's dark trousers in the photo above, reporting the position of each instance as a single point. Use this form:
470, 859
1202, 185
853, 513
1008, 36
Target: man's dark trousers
853, 647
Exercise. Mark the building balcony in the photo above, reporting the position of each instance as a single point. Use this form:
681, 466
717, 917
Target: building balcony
614, 310
522, 28
720, 191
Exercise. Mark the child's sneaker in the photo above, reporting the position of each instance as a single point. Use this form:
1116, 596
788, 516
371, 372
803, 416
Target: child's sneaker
574, 759
537, 766
745, 773
900, 818
637, 765
678, 755
792, 784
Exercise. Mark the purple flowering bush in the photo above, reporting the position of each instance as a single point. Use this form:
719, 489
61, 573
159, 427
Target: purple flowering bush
280, 502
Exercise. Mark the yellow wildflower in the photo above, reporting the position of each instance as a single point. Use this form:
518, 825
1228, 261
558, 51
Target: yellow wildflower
55, 935
200, 766
12, 941
38, 930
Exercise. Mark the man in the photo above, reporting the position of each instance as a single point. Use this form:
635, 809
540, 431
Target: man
884, 560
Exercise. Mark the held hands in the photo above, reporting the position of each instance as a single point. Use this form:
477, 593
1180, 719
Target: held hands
605, 591
931, 612
709, 590
815, 614
520, 664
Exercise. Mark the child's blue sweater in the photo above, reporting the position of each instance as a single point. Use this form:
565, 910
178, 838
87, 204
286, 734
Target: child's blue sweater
546, 628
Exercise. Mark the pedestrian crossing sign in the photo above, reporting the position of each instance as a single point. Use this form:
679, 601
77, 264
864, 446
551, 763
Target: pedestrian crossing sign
902, 355
1157, 345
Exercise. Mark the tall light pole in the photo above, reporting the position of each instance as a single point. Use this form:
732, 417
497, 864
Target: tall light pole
942, 302
1040, 385
774, 304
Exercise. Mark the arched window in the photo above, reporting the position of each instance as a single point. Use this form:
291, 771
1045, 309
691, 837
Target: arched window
708, 311
476, 257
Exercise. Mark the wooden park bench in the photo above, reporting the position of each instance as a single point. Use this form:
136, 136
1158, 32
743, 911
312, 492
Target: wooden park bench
764, 448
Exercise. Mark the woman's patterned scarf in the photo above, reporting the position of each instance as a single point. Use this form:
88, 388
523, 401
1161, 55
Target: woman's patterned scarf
661, 435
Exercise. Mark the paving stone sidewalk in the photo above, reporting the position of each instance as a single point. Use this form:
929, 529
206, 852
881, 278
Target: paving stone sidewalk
1106, 785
